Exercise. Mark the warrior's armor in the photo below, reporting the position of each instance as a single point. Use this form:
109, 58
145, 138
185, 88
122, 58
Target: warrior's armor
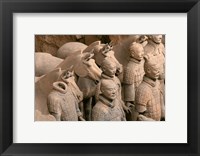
147, 99
158, 50
62, 104
133, 76
74, 88
105, 110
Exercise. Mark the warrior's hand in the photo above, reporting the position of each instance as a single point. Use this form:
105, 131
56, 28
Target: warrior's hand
127, 108
129, 105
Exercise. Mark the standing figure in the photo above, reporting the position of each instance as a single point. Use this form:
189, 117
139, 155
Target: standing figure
109, 69
108, 107
133, 76
68, 77
155, 47
62, 104
147, 97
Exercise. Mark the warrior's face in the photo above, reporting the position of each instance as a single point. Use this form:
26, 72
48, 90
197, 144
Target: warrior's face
138, 53
153, 71
109, 69
157, 38
110, 91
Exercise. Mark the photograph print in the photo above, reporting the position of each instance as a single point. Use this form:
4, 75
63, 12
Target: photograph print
100, 77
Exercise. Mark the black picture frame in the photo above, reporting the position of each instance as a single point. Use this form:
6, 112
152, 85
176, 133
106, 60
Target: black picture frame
8, 7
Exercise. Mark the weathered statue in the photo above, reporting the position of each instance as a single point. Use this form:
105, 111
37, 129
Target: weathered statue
78, 80
148, 96
108, 107
109, 69
68, 77
108, 72
88, 86
62, 104
133, 76
155, 47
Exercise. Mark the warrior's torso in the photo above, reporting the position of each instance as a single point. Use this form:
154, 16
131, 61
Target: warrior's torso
105, 111
148, 96
133, 76
75, 89
64, 104
134, 72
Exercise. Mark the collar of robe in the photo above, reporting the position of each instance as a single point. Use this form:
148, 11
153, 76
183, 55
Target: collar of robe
106, 101
149, 81
60, 86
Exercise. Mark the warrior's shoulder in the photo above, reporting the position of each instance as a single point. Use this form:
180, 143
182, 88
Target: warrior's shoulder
100, 107
143, 88
149, 48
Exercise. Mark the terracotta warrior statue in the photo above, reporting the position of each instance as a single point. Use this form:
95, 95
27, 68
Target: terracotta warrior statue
133, 76
155, 47
108, 107
62, 104
68, 77
148, 97
109, 69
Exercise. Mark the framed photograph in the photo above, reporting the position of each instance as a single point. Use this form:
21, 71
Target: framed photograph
51, 50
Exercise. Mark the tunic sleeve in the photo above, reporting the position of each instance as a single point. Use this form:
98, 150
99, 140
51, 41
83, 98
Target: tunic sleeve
128, 77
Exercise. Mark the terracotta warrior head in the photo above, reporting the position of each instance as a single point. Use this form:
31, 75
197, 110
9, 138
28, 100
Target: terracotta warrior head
109, 67
108, 89
151, 67
156, 38
136, 51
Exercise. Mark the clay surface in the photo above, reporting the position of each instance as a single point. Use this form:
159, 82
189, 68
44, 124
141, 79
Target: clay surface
100, 77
